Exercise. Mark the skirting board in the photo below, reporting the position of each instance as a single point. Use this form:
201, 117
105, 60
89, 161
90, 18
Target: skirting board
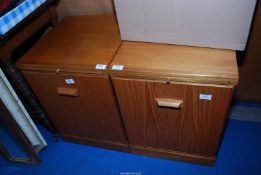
246, 113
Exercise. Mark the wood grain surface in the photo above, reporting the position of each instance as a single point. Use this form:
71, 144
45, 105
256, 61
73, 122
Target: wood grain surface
93, 113
119, 146
78, 43
195, 128
176, 63
170, 154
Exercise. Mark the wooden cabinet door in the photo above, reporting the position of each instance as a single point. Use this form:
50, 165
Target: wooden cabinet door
85, 108
194, 128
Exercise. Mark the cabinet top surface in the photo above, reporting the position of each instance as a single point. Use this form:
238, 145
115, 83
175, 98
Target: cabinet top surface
76, 43
177, 63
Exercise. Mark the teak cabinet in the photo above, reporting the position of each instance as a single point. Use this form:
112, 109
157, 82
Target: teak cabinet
67, 70
193, 128
174, 99
153, 99
85, 109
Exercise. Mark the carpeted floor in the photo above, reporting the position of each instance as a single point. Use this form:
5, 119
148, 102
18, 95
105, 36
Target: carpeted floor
239, 154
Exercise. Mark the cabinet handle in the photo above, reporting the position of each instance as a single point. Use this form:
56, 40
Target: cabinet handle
68, 91
170, 103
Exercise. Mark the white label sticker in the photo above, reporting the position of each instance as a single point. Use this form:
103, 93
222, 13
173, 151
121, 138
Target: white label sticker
101, 66
69, 81
205, 97
117, 67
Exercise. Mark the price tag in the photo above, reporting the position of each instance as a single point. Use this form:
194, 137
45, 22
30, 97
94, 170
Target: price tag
101, 66
69, 81
117, 67
205, 97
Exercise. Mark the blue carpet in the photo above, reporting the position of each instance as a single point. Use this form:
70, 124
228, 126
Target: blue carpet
9, 142
239, 154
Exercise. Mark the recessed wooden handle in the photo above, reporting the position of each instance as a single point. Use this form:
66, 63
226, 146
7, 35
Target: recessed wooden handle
169, 103
73, 92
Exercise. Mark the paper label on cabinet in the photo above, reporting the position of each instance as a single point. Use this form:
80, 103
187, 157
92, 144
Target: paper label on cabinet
69, 81
117, 67
205, 97
101, 66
